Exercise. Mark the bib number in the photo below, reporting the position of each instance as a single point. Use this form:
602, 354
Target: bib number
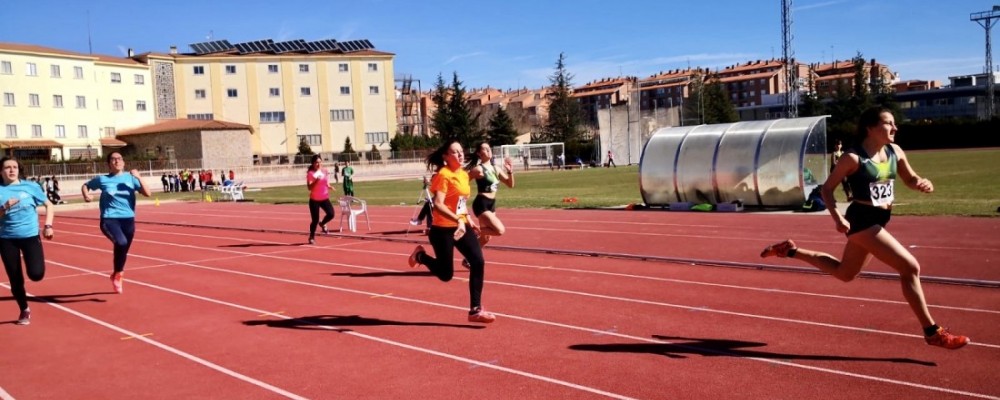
461, 209
882, 193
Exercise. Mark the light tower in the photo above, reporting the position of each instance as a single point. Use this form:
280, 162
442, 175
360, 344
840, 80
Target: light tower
986, 19
791, 84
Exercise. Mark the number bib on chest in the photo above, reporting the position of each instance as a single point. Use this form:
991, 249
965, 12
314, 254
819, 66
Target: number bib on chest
460, 208
882, 193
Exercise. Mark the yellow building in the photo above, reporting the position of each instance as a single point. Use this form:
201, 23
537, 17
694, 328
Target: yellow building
320, 92
63, 105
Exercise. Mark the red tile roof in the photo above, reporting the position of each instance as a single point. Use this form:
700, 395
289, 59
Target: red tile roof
29, 144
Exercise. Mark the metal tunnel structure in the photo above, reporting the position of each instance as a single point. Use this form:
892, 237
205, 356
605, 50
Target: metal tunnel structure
773, 163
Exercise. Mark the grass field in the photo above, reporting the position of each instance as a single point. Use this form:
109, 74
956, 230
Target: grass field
965, 181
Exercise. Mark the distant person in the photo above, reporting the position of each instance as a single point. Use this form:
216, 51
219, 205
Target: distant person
870, 168
117, 205
348, 173
838, 152
19, 232
56, 197
611, 160
166, 183
318, 182
426, 212
336, 172
453, 228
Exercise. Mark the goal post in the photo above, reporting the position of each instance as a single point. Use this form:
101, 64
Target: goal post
535, 155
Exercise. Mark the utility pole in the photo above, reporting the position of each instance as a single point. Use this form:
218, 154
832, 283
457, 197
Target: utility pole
986, 19
791, 85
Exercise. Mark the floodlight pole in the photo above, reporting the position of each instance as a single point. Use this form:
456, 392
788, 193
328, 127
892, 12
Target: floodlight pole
986, 19
791, 84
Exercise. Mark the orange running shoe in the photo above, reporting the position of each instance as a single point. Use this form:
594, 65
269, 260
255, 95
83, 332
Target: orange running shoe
480, 315
116, 282
778, 249
413, 256
946, 339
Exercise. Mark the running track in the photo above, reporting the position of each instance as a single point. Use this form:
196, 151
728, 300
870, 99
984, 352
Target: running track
225, 300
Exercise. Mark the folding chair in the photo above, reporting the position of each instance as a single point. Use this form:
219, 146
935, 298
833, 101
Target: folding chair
351, 207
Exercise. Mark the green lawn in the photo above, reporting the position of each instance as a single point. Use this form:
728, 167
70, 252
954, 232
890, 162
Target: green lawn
965, 183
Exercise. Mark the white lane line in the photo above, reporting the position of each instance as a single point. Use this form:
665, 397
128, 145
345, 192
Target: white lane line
143, 338
537, 321
548, 289
4, 395
486, 364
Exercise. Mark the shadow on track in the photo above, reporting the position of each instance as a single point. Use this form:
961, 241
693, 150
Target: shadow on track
724, 348
338, 322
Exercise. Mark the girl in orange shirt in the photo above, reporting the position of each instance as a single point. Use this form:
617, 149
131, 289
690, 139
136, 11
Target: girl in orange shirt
453, 227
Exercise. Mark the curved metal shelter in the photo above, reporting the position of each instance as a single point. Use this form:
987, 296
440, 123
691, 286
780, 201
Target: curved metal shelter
773, 163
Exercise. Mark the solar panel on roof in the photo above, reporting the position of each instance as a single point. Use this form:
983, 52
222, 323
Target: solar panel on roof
211, 47
355, 45
288, 46
321, 45
256, 46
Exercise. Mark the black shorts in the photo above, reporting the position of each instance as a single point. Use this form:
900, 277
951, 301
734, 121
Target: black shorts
483, 204
863, 216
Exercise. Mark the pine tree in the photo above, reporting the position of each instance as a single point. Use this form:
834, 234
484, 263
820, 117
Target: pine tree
453, 118
501, 129
717, 107
565, 116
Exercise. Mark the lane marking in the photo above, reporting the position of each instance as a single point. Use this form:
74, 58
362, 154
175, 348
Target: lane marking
134, 337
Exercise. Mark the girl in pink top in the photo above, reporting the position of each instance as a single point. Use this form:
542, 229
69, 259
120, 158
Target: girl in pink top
318, 182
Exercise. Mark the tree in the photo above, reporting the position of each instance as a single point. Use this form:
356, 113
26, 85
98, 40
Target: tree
453, 118
717, 107
501, 129
565, 115
348, 154
812, 105
374, 154
304, 148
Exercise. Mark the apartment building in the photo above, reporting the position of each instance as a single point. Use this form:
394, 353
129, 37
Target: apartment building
322, 92
63, 105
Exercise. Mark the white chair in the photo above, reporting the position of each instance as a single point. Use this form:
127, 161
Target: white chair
351, 207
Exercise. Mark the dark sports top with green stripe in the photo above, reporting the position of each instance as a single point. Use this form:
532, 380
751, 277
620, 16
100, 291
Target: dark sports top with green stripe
873, 182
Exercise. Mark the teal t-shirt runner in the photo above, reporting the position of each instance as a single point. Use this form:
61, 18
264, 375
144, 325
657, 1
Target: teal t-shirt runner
117, 194
21, 221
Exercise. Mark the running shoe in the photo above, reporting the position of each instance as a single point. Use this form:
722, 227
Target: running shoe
312, 240
478, 314
413, 256
116, 282
414, 222
778, 249
325, 231
946, 339
465, 263
24, 318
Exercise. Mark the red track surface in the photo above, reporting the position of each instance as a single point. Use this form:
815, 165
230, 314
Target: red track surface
249, 312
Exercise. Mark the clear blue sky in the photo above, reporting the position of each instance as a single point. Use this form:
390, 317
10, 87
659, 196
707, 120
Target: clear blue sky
515, 43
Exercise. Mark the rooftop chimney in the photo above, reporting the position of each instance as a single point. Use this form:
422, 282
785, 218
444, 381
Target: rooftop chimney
173, 49
131, 53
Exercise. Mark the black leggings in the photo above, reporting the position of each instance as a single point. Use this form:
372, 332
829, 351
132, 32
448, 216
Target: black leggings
314, 206
120, 231
443, 241
34, 262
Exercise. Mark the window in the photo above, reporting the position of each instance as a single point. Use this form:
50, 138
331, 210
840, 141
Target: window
140, 105
61, 131
272, 117
372, 67
199, 70
140, 79
208, 116
81, 131
230, 69
6, 68
117, 105
32, 70
312, 140
341, 115
81, 102
274, 92
8, 99
199, 93
272, 68
232, 93
376, 137
33, 100
373, 90
56, 72
78, 72
11, 131
342, 67
36, 131
57, 101
303, 67
116, 77
109, 131
345, 90
305, 91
